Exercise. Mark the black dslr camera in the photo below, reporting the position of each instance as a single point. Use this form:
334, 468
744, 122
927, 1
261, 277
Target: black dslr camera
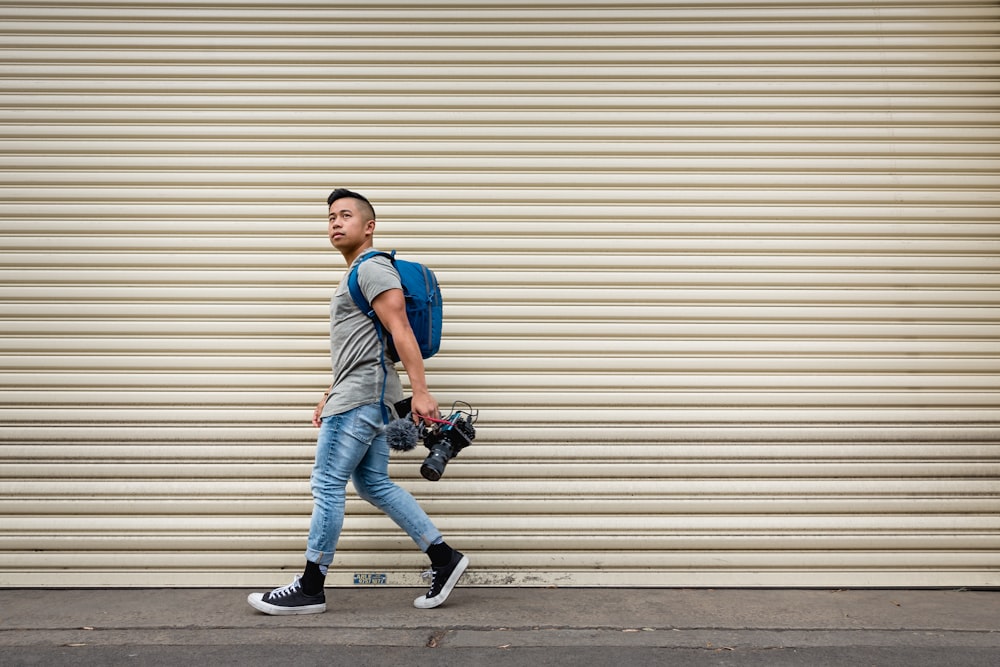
445, 438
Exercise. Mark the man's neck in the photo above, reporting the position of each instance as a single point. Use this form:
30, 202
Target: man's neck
350, 256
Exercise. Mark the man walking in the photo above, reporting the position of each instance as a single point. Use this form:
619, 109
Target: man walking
351, 442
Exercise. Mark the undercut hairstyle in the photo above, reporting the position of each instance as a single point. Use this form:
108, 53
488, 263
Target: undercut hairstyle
340, 193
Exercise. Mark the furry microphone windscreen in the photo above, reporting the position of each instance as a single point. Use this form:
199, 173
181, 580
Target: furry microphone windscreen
401, 434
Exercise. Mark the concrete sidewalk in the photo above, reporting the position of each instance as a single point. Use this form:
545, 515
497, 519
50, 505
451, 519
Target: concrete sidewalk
506, 626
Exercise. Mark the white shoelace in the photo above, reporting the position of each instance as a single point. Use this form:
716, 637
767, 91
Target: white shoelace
285, 590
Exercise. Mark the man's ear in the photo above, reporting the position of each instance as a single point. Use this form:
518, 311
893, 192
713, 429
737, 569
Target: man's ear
370, 228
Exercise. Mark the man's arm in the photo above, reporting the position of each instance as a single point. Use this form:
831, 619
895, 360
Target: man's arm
390, 307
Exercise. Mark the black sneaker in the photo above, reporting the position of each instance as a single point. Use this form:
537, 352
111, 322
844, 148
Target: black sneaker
443, 579
288, 600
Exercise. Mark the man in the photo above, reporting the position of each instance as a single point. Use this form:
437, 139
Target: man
352, 443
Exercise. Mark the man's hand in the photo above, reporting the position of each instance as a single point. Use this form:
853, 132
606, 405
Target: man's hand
424, 405
318, 412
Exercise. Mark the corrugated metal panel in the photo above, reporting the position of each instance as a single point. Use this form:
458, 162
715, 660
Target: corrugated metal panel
722, 277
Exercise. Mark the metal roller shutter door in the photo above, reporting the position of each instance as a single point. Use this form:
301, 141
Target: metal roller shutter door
722, 278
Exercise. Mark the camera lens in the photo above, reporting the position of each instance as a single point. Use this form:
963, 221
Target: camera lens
433, 466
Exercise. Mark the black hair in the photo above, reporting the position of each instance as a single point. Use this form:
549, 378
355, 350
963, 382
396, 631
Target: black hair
341, 193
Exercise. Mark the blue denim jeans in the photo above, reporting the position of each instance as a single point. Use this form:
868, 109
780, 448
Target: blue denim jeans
352, 446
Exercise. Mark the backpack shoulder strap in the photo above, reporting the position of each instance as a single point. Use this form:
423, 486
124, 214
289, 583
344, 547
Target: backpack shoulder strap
352, 282
362, 303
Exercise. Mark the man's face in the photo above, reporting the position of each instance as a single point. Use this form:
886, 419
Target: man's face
348, 227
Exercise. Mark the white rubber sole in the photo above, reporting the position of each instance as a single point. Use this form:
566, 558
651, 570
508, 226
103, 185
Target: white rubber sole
424, 602
256, 601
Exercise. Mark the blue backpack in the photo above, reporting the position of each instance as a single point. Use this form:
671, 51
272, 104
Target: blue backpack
423, 304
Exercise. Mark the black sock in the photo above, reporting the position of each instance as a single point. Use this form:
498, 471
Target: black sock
440, 554
312, 580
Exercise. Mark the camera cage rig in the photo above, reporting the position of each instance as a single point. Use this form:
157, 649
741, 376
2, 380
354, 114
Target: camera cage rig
444, 438
455, 416
470, 414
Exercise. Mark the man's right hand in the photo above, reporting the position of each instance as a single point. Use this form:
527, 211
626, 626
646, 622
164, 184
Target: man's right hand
318, 412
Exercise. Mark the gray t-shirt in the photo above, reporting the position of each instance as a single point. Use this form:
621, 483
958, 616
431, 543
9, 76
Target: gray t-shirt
354, 346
